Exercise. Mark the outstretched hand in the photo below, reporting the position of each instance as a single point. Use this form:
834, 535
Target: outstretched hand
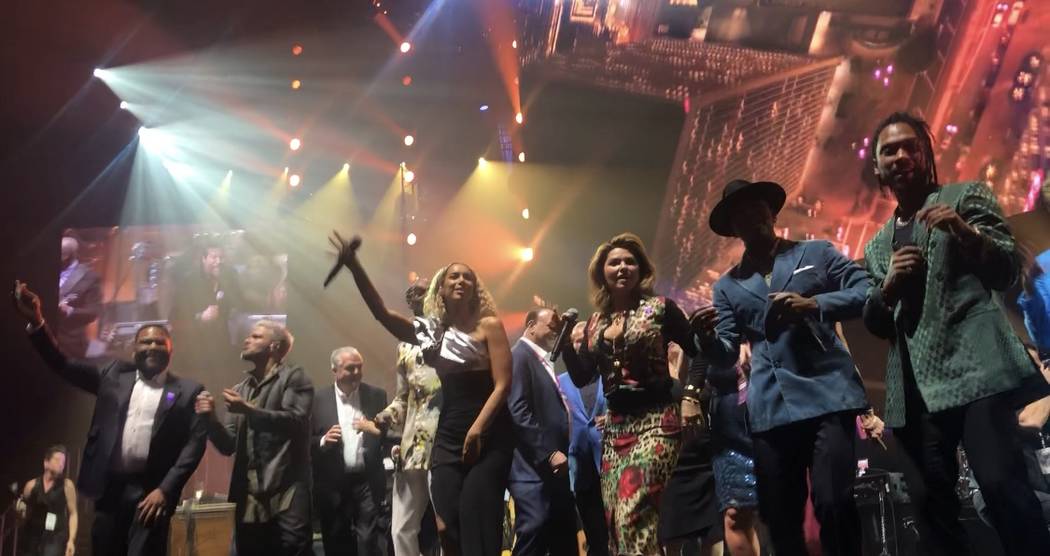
27, 304
345, 250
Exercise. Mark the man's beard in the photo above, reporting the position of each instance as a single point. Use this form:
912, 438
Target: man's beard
151, 369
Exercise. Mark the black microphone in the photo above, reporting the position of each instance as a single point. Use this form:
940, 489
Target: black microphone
568, 321
355, 242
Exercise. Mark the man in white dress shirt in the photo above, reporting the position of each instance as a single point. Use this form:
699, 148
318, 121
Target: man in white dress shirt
349, 481
145, 439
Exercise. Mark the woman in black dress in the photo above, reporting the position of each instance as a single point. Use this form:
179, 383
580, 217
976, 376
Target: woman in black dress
463, 339
49, 507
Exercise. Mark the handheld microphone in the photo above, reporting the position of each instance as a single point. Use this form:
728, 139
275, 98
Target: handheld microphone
355, 242
568, 321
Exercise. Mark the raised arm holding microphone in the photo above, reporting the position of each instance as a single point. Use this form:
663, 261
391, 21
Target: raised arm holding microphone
144, 441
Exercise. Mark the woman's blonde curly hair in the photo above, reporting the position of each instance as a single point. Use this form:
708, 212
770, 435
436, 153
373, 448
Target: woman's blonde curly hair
481, 304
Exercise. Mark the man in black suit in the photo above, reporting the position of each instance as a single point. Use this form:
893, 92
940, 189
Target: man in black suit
79, 300
267, 431
545, 516
204, 299
350, 485
145, 439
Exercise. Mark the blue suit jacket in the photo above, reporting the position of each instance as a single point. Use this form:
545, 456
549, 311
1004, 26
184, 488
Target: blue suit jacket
538, 411
798, 370
585, 442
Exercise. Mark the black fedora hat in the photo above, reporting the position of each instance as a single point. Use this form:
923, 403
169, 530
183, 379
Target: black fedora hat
721, 216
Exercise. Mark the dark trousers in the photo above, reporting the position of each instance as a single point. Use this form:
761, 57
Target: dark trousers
287, 533
823, 446
469, 501
591, 508
116, 531
544, 517
987, 430
349, 515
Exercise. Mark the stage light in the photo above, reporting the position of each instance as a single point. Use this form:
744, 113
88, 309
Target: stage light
410, 176
484, 107
521, 156
296, 84
295, 144
286, 170
406, 80
525, 213
99, 73
123, 105
405, 47
346, 166
526, 254
297, 49
409, 140
294, 180
514, 44
519, 118
411, 239
482, 162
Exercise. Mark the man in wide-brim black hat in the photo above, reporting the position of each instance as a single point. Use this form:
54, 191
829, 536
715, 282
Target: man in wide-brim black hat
784, 297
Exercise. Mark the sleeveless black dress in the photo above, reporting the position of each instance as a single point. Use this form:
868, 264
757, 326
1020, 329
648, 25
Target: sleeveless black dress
41, 535
469, 499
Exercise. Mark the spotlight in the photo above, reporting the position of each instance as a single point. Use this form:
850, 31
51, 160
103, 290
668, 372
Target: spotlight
405, 47
526, 254
409, 140
123, 105
411, 239
99, 73
295, 144
514, 44
296, 84
143, 131
521, 156
294, 180
525, 213
519, 118
410, 176
286, 170
484, 108
346, 166
482, 162
406, 80
297, 49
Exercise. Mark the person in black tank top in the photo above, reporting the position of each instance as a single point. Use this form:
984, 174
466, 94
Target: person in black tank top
461, 337
48, 506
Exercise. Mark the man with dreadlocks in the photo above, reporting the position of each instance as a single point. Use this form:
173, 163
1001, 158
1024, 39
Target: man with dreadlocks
956, 370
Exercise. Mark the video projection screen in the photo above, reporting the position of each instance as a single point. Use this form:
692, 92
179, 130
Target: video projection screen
208, 286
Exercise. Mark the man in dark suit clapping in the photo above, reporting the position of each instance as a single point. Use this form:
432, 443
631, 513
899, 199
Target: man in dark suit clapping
350, 485
145, 439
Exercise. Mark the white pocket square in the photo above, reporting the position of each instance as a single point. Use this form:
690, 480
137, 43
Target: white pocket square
803, 269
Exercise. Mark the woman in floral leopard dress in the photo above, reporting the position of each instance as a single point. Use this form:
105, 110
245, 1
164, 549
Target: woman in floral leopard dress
625, 345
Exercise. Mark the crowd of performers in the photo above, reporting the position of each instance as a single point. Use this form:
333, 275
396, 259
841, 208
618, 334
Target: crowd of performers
666, 427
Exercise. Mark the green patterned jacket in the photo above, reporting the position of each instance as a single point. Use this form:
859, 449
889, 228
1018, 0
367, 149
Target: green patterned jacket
962, 348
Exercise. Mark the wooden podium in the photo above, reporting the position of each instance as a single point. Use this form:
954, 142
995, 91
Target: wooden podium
201, 529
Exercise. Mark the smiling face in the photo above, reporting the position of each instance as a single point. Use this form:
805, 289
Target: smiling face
152, 350
621, 270
900, 162
348, 370
459, 285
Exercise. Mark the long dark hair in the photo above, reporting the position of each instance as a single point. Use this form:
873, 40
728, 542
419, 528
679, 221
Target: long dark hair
922, 130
